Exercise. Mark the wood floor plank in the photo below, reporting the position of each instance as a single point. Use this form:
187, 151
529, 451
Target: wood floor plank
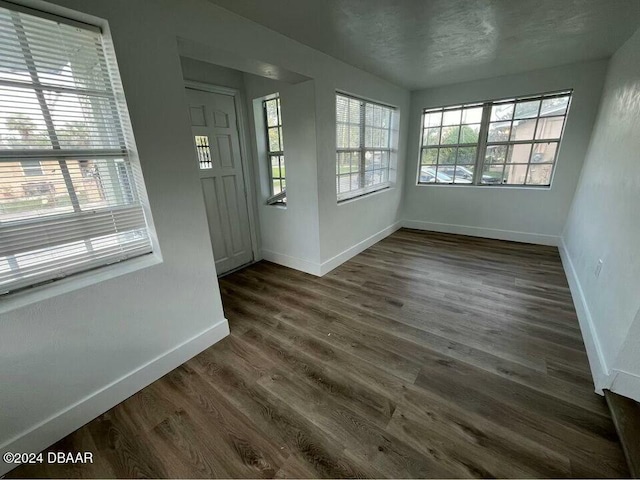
408, 339
427, 355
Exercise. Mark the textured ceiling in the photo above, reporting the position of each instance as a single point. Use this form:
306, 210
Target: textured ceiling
423, 43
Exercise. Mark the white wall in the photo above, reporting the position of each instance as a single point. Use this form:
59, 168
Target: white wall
66, 359
604, 224
521, 214
204, 72
289, 235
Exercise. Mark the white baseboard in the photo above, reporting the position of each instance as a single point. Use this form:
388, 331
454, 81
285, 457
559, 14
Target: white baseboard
351, 252
318, 269
626, 384
524, 237
292, 262
597, 362
46, 433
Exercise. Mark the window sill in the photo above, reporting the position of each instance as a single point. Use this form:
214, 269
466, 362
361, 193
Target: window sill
505, 187
279, 205
385, 189
23, 298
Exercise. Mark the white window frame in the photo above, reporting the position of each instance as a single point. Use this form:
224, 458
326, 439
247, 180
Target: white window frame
93, 273
362, 150
483, 142
281, 197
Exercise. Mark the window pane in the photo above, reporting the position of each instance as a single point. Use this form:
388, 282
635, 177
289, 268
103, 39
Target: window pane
445, 173
523, 129
467, 155
355, 163
343, 162
24, 197
275, 168
501, 112
31, 168
433, 119
355, 181
354, 136
450, 135
344, 183
355, 111
499, 132
274, 140
276, 187
514, 174
452, 117
429, 156
204, 151
427, 175
386, 119
386, 161
342, 136
540, 174
496, 154
554, 106
342, 109
368, 161
272, 113
549, 127
492, 174
519, 153
447, 156
464, 174
527, 109
442, 177
431, 136
469, 133
544, 152
472, 115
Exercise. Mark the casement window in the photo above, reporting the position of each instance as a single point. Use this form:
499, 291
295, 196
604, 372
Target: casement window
363, 137
504, 142
71, 195
275, 151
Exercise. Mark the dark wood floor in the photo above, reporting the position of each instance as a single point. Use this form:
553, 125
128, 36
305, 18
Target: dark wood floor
427, 355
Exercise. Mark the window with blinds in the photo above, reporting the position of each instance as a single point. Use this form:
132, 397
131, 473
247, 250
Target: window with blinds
71, 198
363, 138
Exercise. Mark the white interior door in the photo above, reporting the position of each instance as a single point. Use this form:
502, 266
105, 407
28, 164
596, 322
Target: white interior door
216, 139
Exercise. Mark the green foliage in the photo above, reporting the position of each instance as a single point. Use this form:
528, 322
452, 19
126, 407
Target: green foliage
467, 135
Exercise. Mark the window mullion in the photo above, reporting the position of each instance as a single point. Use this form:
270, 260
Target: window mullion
482, 144
268, 145
533, 145
363, 108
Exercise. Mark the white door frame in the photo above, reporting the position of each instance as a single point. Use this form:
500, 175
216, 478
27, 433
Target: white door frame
238, 98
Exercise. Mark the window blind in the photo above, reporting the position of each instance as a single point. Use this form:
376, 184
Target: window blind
363, 141
70, 193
